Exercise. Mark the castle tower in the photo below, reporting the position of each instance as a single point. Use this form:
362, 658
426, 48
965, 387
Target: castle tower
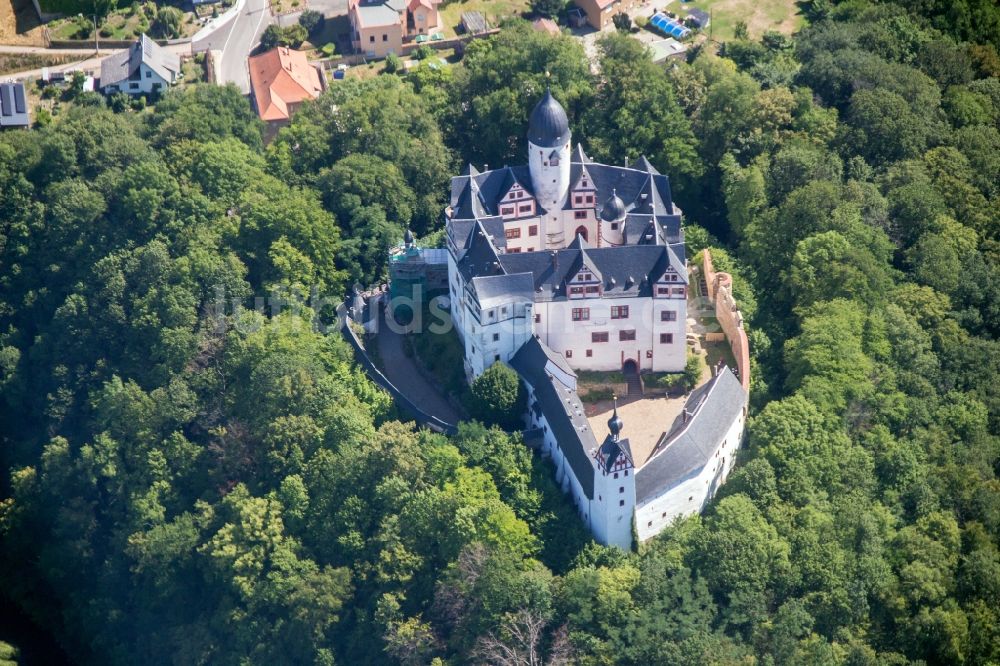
548, 161
614, 487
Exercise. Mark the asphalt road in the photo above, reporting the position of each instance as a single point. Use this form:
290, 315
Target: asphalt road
236, 39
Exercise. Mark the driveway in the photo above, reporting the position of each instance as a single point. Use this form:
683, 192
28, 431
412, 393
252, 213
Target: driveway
402, 371
236, 38
328, 8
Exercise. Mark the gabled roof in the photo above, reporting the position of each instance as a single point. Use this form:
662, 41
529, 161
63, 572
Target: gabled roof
124, 65
615, 265
377, 14
610, 451
281, 78
579, 156
691, 442
562, 408
642, 164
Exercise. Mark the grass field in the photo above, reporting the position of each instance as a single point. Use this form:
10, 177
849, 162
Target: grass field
760, 16
20, 62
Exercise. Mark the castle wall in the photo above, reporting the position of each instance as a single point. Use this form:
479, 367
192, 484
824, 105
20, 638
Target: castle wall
720, 288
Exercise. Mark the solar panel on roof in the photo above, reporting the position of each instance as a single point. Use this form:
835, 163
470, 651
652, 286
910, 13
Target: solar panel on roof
6, 103
19, 105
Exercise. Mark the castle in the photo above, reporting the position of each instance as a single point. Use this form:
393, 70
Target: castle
566, 265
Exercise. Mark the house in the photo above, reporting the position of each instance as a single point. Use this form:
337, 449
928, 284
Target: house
142, 69
281, 79
13, 106
546, 25
699, 18
600, 12
380, 27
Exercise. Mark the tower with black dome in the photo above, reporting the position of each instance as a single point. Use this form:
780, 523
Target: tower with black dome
549, 162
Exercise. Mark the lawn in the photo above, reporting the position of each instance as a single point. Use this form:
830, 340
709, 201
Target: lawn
493, 10
760, 16
20, 62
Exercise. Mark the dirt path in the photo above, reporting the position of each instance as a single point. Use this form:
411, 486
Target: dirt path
19, 24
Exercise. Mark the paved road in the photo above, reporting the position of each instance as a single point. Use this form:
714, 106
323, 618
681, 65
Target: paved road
236, 38
401, 370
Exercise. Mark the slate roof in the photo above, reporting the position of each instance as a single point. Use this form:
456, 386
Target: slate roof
493, 290
562, 408
13, 105
548, 125
642, 189
124, 65
689, 445
551, 270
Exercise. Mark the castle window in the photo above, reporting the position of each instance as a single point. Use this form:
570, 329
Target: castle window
649, 353
590, 353
513, 250
649, 524
496, 337
525, 208
593, 290
503, 310
581, 314
673, 277
580, 215
533, 230
664, 514
626, 472
599, 336
496, 357
578, 199
619, 312
512, 233
507, 210
614, 226
621, 502
538, 319
569, 353
576, 290
668, 315
663, 291
625, 336
621, 489
666, 338
678, 291
616, 475
590, 198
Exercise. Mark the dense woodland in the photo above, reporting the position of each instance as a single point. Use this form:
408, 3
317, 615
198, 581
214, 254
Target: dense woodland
190, 478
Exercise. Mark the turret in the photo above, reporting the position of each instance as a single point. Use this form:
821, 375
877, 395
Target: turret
549, 156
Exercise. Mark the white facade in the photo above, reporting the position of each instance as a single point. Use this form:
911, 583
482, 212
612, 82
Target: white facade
550, 180
692, 494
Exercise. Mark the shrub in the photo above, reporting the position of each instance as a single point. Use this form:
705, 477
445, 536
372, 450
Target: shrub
271, 37
623, 23
42, 117
329, 49
423, 52
312, 21
392, 63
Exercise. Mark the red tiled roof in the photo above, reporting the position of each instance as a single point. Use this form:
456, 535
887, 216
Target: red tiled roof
280, 78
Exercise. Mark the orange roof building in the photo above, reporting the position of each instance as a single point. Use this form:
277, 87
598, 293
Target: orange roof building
281, 80
546, 25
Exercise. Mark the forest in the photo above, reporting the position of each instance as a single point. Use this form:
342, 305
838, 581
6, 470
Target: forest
195, 471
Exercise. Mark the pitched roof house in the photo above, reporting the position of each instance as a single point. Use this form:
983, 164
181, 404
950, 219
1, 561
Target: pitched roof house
379, 27
281, 80
600, 12
143, 68
13, 105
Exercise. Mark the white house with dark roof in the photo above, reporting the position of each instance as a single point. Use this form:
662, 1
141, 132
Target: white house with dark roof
587, 256
568, 264
142, 69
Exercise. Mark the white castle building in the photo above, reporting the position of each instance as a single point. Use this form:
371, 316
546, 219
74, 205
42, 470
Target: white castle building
568, 264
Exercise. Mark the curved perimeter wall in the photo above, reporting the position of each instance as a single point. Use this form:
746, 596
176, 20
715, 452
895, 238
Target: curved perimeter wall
727, 311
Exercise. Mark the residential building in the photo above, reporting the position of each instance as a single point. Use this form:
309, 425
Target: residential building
13, 106
600, 12
381, 27
281, 79
142, 69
